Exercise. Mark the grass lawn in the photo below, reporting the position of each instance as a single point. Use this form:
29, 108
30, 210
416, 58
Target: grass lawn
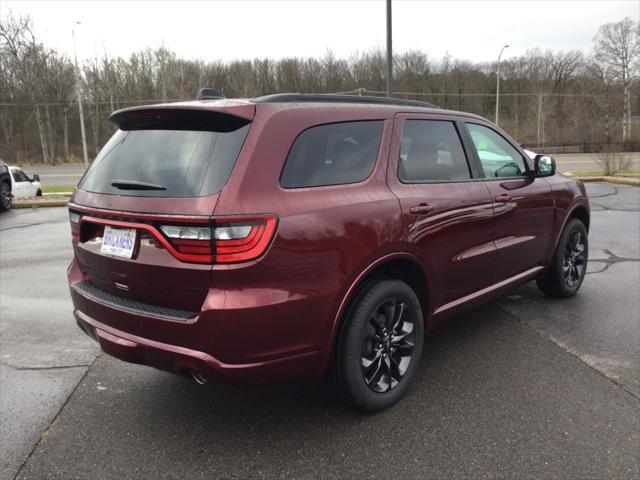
58, 189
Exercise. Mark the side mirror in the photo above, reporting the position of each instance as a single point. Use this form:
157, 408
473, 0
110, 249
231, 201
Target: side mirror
35, 178
544, 165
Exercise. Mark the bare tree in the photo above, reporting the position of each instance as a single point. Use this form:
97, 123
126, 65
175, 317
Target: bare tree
550, 97
617, 48
612, 161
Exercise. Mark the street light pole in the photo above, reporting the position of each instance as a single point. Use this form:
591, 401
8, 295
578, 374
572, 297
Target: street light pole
389, 53
79, 97
498, 84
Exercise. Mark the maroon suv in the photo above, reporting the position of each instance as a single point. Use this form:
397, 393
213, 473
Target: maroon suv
291, 235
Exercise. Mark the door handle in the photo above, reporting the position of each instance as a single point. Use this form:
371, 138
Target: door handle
503, 198
421, 209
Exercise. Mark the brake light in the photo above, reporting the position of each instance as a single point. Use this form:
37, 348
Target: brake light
242, 239
74, 220
190, 240
224, 240
232, 240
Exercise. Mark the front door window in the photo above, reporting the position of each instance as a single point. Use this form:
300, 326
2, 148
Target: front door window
497, 156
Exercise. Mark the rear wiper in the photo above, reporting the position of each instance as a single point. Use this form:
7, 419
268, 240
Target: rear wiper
134, 185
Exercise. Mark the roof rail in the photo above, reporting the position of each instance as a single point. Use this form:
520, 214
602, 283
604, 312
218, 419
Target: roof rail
329, 98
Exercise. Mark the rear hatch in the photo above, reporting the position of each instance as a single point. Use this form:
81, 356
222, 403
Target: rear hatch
141, 218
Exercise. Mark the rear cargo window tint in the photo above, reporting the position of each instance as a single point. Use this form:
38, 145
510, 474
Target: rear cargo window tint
332, 154
185, 163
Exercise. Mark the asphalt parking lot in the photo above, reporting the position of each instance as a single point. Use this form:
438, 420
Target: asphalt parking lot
523, 387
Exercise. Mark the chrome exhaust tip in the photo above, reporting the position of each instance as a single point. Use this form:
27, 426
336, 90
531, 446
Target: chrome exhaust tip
198, 377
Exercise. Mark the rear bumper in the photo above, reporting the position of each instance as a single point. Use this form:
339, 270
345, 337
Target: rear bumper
248, 354
181, 361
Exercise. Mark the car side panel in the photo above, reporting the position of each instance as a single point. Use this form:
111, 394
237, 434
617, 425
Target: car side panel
325, 237
523, 214
523, 226
454, 241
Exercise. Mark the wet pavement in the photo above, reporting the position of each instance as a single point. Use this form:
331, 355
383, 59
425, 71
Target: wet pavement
525, 387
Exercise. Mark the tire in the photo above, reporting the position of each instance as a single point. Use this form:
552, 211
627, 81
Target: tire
39, 193
380, 345
566, 273
5, 197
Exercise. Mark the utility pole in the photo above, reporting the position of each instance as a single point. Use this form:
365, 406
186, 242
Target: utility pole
498, 84
389, 53
540, 136
79, 97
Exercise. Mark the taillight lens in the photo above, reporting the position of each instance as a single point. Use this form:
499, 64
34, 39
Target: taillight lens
231, 240
242, 239
74, 220
188, 239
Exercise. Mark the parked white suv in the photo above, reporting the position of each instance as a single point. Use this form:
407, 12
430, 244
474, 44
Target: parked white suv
24, 186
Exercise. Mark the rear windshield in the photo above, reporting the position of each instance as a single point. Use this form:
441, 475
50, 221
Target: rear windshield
178, 163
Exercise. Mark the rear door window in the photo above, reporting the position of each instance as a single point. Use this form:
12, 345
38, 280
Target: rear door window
431, 151
333, 154
185, 163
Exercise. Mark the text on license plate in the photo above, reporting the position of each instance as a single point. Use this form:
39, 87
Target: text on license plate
118, 241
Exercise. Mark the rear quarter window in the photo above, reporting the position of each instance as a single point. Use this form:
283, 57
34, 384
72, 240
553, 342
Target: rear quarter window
332, 154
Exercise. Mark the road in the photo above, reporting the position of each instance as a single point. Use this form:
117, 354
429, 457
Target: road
525, 387
58, 175
69, 175
570, 162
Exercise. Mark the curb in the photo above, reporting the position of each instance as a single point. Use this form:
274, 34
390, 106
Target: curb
635, 182
58, 202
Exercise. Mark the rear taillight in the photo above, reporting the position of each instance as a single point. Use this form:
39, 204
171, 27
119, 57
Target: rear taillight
242, 239
190, 240
231, 240
216, 240
74, 220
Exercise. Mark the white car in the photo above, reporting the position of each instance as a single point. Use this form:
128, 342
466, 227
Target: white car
22, 185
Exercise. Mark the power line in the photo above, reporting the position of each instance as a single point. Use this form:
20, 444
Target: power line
488, 94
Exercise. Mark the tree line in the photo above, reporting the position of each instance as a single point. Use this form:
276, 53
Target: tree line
546, 97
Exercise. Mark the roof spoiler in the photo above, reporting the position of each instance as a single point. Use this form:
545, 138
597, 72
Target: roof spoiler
209, 94
177, 117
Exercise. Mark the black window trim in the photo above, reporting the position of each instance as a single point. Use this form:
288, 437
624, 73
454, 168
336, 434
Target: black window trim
465, 147
373, 168
476, 157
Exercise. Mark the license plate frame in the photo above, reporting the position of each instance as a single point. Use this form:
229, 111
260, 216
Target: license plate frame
118, 242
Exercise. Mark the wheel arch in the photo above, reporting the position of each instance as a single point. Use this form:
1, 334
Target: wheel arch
402, 266
578, 210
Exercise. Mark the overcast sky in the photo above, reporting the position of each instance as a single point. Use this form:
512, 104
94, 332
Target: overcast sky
473, 30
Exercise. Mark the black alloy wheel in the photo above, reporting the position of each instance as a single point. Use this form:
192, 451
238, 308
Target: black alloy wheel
5, 196
574, 260
388, 345
379, 347
565, 274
